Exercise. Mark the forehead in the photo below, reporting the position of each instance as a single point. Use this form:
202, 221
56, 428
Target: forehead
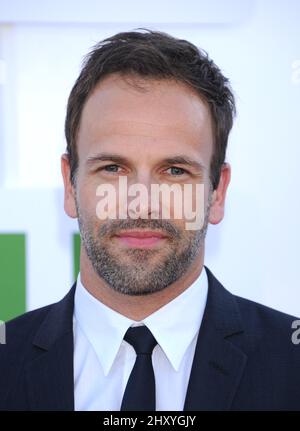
126, 111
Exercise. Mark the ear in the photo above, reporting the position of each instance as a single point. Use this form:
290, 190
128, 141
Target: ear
69, 195
216, 213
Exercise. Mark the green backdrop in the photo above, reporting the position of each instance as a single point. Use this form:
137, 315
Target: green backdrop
13, 275
13, 272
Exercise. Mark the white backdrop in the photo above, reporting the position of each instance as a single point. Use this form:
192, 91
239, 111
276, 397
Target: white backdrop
255, 250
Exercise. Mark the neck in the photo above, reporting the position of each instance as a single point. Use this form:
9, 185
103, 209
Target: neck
135, 307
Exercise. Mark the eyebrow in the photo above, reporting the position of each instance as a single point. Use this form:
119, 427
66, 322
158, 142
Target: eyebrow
104, 157
184, 160
175, 160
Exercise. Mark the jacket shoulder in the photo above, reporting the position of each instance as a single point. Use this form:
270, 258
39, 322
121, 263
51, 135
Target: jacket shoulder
26, 323
19, 334
27, 337
277, 334
260, 328
256, 315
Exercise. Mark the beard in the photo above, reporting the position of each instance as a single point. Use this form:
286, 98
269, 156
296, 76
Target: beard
137, 271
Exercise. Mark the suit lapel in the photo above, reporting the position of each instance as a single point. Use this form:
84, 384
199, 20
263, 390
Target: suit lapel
218, 364
49, 375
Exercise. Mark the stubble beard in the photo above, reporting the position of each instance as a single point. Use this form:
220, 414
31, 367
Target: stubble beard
136, 271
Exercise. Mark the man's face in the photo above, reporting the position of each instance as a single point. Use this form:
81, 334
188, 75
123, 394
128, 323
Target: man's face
160, 134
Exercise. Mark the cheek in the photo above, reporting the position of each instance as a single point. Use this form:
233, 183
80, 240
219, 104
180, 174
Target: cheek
195, 199
87, 200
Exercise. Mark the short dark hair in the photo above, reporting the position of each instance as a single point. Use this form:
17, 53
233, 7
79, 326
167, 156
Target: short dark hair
157, 55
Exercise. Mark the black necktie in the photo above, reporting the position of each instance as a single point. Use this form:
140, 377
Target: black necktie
140, 389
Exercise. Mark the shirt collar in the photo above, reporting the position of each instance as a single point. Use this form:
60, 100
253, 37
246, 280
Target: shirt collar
173, 327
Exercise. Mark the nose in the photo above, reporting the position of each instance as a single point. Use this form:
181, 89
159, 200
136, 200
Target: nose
140, 204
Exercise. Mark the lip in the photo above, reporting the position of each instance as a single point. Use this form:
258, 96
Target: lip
141, 234
141, 239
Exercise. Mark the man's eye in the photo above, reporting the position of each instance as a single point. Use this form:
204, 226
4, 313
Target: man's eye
110, 168
174, 170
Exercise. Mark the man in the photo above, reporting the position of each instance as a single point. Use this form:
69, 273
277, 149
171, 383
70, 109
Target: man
147, 326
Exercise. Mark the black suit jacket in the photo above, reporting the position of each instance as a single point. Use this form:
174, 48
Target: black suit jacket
244, 358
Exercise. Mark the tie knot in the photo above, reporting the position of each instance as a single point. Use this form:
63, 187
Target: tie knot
141, 339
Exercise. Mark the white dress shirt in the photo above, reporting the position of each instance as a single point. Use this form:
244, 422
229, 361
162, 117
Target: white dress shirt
103, 360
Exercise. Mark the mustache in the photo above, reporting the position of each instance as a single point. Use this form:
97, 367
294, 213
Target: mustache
112, 227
